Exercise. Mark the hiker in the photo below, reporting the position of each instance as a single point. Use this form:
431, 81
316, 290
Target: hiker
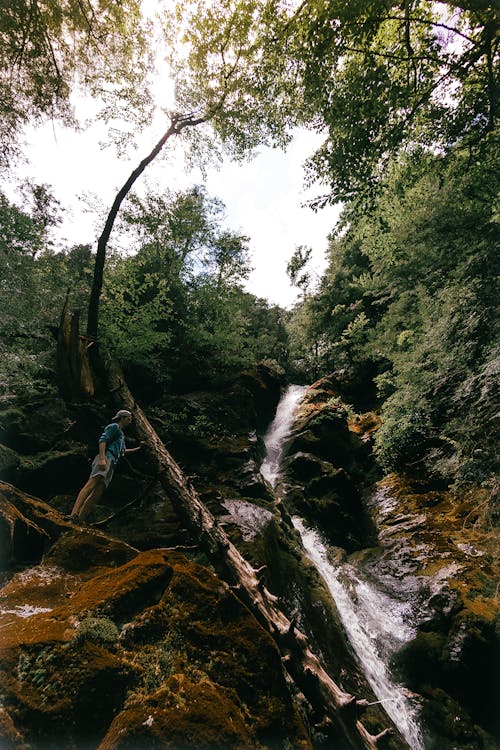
111, 448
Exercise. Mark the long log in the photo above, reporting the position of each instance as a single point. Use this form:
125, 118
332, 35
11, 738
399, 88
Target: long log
339, 708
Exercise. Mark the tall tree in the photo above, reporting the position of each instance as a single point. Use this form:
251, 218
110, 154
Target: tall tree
227, 96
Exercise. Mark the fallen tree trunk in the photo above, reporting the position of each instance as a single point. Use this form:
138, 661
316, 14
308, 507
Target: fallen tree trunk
339, 709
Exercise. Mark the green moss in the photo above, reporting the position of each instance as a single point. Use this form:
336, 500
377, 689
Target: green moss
157, 661
100, 630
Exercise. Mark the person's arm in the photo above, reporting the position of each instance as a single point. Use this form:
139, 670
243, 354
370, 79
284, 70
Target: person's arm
102, 454
133, 450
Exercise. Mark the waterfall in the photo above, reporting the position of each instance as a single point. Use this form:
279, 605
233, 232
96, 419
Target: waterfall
374, 621
375, 625
279, 430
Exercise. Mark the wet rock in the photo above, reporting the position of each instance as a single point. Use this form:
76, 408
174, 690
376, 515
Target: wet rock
425, 539
332, 507
321, 472
9, 464
302, 466
258, 391
250, 518
251, 483
54, 472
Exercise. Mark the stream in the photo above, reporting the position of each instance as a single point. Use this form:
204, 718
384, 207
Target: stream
374, 621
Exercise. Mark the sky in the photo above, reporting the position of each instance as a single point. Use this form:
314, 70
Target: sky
264, 198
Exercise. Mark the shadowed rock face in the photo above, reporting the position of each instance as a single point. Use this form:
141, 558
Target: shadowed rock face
103, 646
324, 469
434, 553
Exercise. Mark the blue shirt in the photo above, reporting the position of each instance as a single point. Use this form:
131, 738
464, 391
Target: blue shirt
115, 441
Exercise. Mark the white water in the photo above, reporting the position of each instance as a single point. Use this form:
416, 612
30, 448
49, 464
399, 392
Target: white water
279, 430
375, 625
374, 622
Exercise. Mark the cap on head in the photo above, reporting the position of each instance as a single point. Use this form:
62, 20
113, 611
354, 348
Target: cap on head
122, 413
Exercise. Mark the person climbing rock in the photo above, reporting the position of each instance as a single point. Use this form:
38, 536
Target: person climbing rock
111, 448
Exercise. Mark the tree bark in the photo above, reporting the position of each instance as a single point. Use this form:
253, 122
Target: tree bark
73, 367
339, 709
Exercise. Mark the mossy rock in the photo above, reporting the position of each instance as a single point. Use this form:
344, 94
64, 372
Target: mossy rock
101, 630
185, 714
54, 472
35, 425
9, 464
83, 550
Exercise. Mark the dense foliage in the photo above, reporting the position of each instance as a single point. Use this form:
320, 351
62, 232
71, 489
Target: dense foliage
49, 50
175, 305
410, 294
173, 311
369, 76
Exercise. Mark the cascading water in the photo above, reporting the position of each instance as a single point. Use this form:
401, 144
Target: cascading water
279, 430
376, 628
374, 621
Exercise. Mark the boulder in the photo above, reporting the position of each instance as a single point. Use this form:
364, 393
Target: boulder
155, 650
27, 527
54, 472
324, 468
323, 428
257, 392
34, 425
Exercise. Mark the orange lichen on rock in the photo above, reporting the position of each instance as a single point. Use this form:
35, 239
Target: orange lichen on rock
364, 425
157, 650
188, 712
125, 590
85, 549
459, 551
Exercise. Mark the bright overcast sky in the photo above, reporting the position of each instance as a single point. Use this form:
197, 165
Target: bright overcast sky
263, 198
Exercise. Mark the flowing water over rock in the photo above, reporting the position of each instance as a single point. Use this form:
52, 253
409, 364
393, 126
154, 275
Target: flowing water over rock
279, 430
375, 623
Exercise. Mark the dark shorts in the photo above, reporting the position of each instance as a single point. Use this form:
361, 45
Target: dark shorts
99, 471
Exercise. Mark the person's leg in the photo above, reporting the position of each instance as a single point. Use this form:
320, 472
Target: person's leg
82, 496
92, 497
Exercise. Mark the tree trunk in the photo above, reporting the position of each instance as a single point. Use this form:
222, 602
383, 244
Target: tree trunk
73, 367
338, 708
177, 124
